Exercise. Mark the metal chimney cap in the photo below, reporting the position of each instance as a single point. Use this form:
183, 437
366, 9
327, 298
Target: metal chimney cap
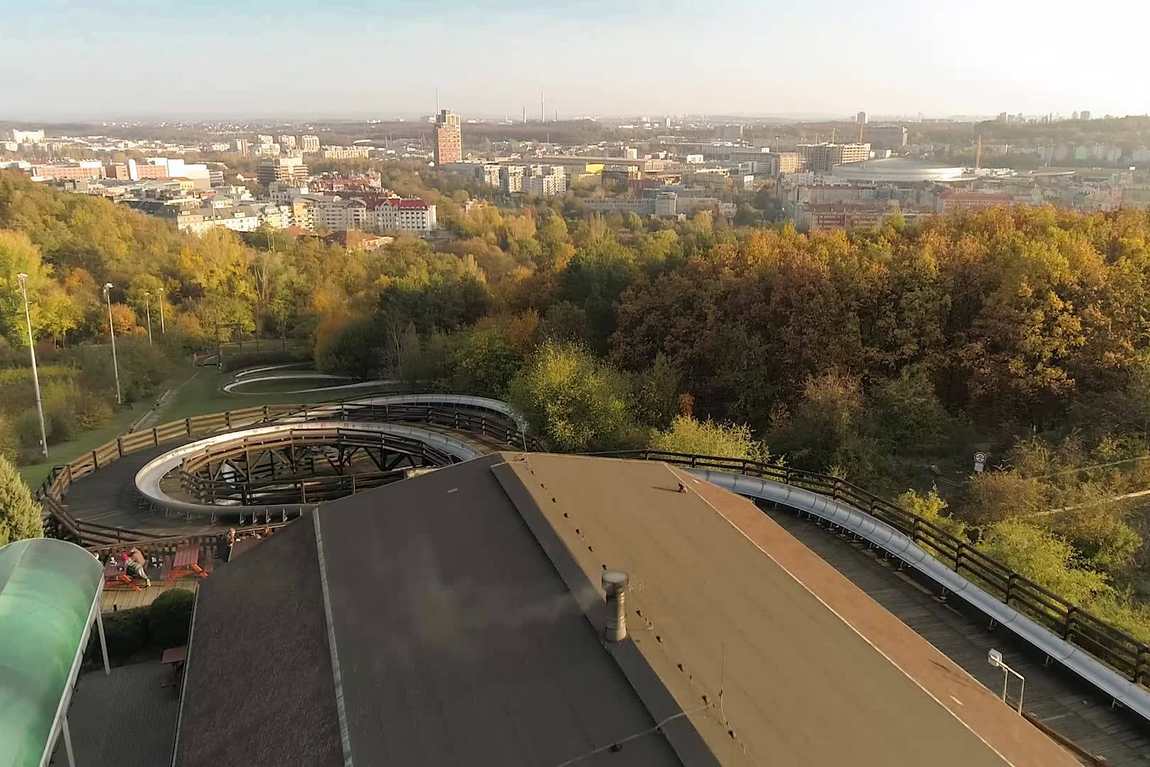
615, 580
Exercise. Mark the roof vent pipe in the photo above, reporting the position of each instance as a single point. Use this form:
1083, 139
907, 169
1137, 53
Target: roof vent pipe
615, 587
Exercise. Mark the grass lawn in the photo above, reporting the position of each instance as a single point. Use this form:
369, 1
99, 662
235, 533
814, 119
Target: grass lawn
196, 391
63, 452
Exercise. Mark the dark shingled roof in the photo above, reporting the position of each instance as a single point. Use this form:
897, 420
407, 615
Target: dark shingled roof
457, 642
258, 687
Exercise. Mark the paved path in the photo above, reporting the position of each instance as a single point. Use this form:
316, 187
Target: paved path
127, 719
1061, 701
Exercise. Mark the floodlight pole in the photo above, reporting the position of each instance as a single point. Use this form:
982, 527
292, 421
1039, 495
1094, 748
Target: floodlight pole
161, 302
148, 310
35, 373
112, 334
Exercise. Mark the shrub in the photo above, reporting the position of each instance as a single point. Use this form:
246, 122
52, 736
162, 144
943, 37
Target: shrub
170, 617
126, 632
729, 440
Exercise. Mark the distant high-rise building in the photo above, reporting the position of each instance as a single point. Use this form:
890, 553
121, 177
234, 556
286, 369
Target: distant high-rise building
448, 138
287, 142
242, 146
860, 118
1084, 114
309, 143
263, 138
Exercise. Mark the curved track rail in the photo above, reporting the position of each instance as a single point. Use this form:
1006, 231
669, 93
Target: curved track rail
149, 478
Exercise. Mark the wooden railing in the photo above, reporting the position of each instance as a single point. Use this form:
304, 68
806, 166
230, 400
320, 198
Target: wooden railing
52, 491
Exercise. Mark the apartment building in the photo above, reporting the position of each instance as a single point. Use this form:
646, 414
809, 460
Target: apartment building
85, 170
448, 138
399, 214
309, 143
345, 152
820, 158
287, 142
284, 169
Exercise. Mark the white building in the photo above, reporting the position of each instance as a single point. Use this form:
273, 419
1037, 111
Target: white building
309, 143
26, 136
400, 214
287, 142
345, 152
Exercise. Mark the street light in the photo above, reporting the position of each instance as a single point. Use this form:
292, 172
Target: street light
994, 658
148, 309
161, 302
112, 333
35, 374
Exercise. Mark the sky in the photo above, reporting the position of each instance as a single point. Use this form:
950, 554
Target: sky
104, 59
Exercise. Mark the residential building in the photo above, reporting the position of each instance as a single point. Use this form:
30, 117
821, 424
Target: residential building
68, 171
284, 192
26, 136
345, 152
287, 142
399, 214
787, 162
861, 118
263, 138
309, 143
242, 146
448, 138
287, 169
820, 158
266, 150
511, 178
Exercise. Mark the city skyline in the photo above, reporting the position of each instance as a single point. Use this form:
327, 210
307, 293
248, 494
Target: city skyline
593, 59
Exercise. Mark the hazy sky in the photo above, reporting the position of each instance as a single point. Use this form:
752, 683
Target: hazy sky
104, 58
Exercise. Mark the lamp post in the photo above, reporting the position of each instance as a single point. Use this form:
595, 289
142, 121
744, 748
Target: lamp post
994, 658
161, 302
148, 309
112, 334
35, 374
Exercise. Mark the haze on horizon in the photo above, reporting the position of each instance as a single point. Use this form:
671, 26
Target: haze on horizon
109, 58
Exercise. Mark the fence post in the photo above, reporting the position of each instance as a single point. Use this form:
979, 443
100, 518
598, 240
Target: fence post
228, 418
1068, 623
188, 426
119, 447
95, 460
958, 556
1009, 587
156, 435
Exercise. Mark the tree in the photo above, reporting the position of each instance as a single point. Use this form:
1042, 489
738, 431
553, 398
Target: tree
730, 440
1045, 558
19, 513
576, 401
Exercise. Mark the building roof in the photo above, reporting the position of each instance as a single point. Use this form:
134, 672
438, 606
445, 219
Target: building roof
454, 639
48, 589
404, 203
897, 170
461, 614
812, 670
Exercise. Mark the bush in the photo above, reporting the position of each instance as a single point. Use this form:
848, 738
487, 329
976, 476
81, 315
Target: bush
730, 440
170, 618
126, 632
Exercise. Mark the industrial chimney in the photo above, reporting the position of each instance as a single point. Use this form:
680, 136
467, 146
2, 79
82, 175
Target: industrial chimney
615, 587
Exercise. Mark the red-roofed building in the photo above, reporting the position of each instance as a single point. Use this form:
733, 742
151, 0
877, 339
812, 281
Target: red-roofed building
399, 214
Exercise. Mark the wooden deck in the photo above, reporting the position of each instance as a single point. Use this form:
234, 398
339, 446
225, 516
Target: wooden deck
1059, 700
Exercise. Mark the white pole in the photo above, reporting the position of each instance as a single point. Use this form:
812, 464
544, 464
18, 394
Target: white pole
68, 742
162, 312
112, 334
103, 643
148, 309
35, 373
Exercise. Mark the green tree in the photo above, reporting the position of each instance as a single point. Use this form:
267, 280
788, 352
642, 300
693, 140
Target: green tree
19, 513
576, 401
1045, 558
